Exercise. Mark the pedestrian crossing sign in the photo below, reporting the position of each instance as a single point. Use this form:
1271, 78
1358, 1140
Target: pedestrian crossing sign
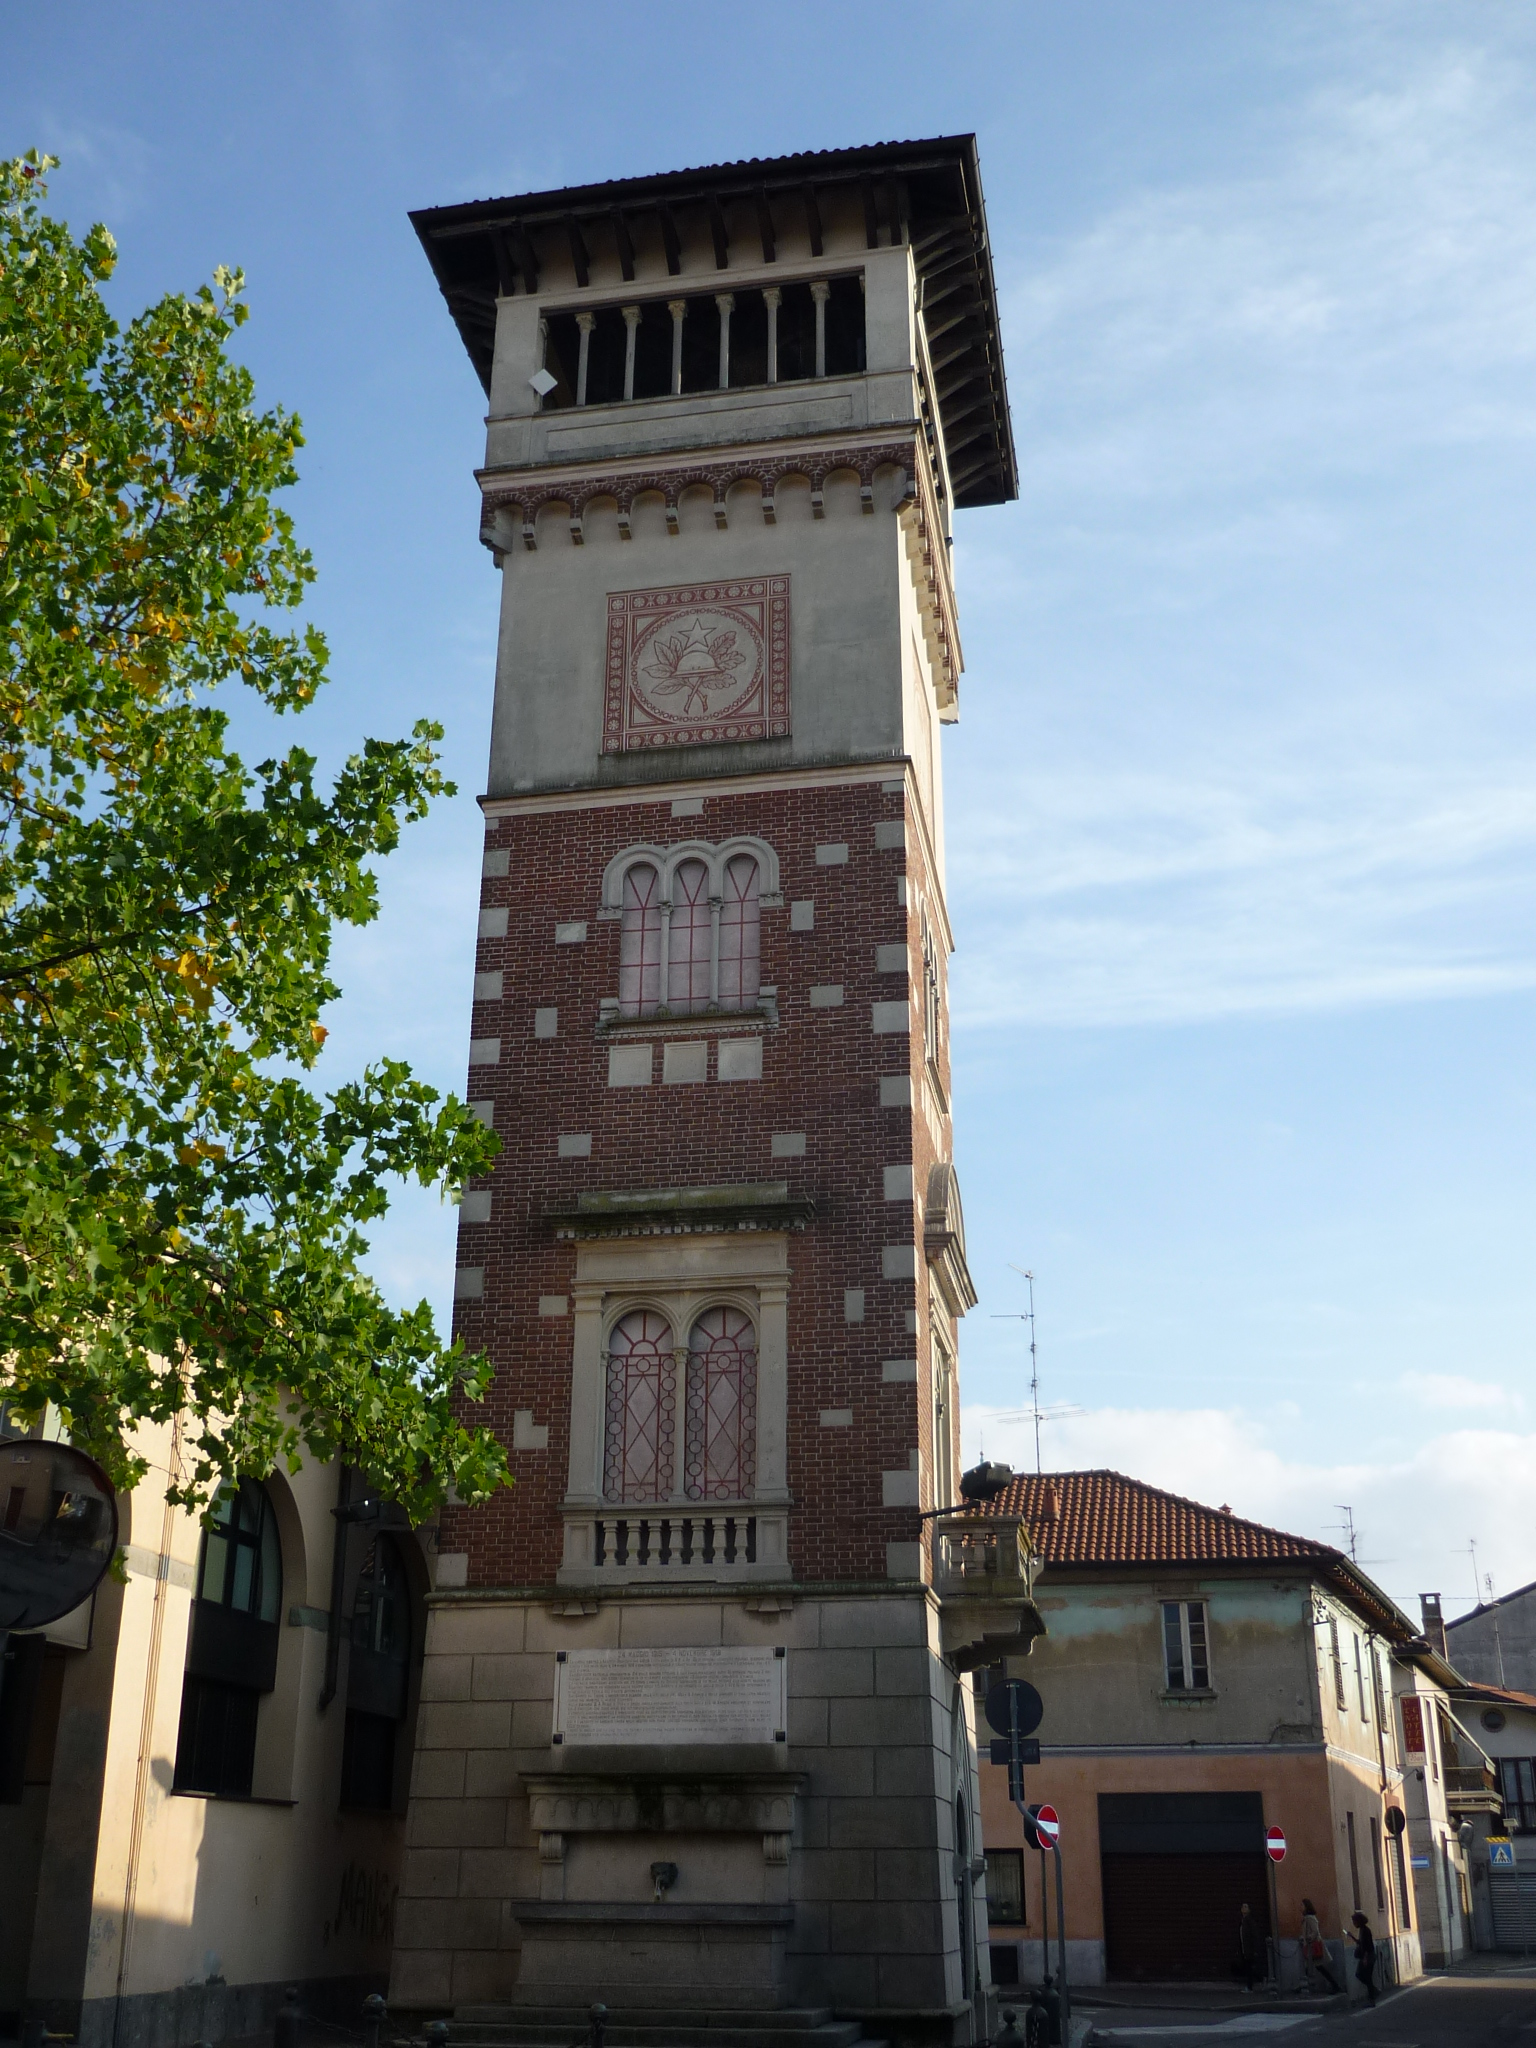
1501, 1853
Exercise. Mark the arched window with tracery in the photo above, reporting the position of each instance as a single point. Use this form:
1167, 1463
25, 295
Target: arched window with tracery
640, 942
689, 951
641, 1427
721, 1451
740, 934
233, 1643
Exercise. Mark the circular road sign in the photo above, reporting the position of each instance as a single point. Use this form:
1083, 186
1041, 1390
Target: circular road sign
999, 1699
1274, 1843
58, 1530
1045, 1826
1396, 1820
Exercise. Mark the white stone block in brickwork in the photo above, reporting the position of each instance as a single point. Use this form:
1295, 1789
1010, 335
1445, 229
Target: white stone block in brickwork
528, 1435
827, 996
903, 1560
493, 924
890, 959
546, 1023
687, 1060
469, 1283
836, 1418
911, 1322
893, 788
575, 1145
571, 934
898, 1262
687, 807
853, 1304
832, 856
886, 1018
485, 1113
554, 1304
802, 916
629, 1066
901, 892
895, 1091
898, 1489
494, 861
453, 1568
789, 1144
898, 1372
740, 1059
898, 1183
488, 987
484, 1052
890, 834
475, 1207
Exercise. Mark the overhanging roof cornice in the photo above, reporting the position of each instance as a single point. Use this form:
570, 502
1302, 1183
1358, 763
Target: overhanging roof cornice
926, 194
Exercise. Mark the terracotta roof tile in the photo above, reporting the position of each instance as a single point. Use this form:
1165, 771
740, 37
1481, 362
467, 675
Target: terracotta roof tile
1106, 1518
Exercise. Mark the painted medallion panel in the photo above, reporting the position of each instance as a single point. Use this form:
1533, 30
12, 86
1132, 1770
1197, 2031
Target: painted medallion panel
698, 664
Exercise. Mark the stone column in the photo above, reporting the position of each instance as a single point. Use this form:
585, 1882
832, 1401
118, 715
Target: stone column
821, 291
726, 301
772, 296
585, 322
631, 323
678, 308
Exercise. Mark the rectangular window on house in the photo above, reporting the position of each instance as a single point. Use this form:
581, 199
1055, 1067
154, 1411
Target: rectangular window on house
1005, 1887
1383, 1718
216, 1742
1365, 1713
1376, 1870
1186, 1661
1338, 1664
1517, 1781
1354, 1862
1404, 1895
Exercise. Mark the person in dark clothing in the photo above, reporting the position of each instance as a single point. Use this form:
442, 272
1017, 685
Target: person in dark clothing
1365, 1953
1250, 1942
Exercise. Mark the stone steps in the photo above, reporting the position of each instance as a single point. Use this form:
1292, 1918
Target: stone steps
567, 2026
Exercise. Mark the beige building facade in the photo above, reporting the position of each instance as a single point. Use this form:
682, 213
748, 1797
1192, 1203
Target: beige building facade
203, 1770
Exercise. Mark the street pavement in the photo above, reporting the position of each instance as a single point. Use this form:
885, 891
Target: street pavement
1487, 2004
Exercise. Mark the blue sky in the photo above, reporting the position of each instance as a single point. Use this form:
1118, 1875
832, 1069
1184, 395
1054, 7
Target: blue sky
1242, 809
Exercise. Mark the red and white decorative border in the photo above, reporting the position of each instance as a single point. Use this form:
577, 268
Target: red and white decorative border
762, 602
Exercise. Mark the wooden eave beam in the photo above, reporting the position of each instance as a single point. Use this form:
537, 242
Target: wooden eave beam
813, 219
623, 244
506, 269
765, 225
521, 244
719, 232
871, 213
580, 260
896, 209
669, 240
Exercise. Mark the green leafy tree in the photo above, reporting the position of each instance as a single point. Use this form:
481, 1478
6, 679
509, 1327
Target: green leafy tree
181, 1217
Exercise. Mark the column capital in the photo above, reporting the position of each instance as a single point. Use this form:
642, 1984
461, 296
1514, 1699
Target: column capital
821, 289
631, 315
678, 308
773, 294
726, 301
586, 322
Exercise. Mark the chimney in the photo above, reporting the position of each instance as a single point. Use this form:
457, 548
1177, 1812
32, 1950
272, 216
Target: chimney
1049, 1509
1434, 1622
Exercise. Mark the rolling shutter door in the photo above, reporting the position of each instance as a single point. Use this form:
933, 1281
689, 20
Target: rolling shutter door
1177, 1870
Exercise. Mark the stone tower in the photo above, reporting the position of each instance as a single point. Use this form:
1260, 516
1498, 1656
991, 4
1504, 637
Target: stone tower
695, 1729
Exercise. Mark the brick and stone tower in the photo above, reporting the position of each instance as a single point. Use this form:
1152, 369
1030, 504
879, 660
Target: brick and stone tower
694, 1727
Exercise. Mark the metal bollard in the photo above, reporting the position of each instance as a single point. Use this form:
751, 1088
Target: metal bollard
1010, 2037
285, 2028
597, 2026
436, 2033
375, 2020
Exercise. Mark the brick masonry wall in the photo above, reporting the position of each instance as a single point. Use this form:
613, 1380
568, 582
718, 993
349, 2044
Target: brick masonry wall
822, 1070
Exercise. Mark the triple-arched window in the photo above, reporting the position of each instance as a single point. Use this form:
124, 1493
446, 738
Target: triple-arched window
715, 1373
690, 926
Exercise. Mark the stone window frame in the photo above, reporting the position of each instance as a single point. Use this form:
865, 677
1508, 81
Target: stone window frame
716, 857
682, 1309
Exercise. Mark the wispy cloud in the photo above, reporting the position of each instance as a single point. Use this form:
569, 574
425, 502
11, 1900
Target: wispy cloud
1267, 741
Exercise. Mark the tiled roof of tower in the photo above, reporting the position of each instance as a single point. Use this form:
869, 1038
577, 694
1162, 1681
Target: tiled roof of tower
1106, 1518
926, 194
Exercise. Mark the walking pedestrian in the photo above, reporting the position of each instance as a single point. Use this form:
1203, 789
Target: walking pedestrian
1365, 1953
1314, 1955
1250, 1943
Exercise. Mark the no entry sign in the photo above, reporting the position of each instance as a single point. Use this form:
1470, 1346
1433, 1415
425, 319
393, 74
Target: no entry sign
1274, 1843
1045, 1826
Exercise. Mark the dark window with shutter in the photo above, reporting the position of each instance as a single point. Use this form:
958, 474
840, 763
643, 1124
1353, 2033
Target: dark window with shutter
232, 1644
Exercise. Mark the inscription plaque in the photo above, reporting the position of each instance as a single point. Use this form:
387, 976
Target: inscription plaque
623, 1697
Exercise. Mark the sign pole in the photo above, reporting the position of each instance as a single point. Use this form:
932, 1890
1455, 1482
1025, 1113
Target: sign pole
1061, 1950
1274, 1927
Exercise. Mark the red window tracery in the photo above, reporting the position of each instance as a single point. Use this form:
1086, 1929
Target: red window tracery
641, 1425
688, 938
740, 928
720, 1458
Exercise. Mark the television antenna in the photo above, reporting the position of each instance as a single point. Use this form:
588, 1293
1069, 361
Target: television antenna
1351, 1533
1034, 1411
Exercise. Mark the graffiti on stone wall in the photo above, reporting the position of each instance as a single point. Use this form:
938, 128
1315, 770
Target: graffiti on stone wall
365, 1906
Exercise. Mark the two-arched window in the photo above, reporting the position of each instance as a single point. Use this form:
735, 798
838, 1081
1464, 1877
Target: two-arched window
690, 926
716, 1374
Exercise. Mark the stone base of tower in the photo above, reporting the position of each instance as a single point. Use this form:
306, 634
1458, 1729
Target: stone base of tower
838, 1867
